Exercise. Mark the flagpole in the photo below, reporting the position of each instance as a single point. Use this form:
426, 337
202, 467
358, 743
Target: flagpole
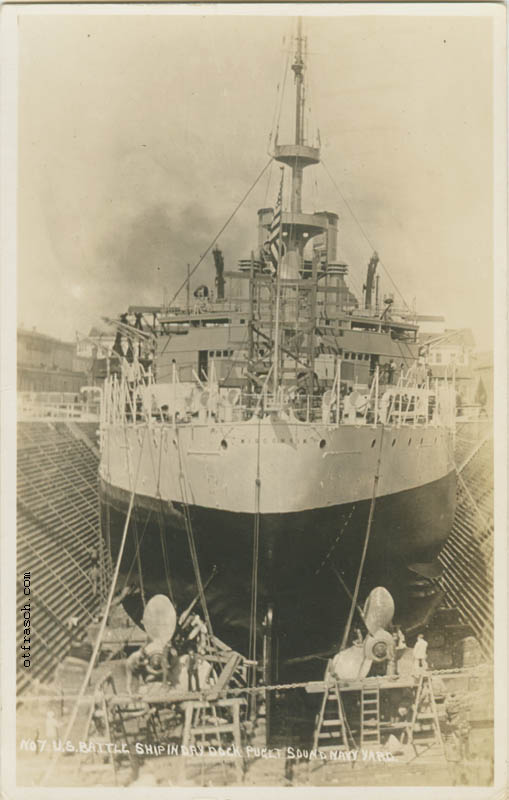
278, 292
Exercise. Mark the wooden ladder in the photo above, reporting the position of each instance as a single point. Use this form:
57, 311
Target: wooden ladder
203, 726
331, 725
425, 722
370, 716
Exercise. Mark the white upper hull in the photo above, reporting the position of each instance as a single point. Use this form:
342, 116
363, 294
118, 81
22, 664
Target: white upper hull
301, 466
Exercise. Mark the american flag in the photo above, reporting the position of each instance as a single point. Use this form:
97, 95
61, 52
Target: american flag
274, 241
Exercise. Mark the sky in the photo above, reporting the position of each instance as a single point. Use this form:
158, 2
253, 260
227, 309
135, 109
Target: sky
139, 135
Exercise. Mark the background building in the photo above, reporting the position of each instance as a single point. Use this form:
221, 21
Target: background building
46, 364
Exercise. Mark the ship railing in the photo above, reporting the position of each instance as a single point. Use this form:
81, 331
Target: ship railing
44, 406
407, 402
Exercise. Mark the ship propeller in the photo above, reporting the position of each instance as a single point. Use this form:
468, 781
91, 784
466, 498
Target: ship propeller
354, 663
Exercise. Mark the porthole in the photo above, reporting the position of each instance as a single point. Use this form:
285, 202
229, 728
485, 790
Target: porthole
373, 443
224, 444
322, 443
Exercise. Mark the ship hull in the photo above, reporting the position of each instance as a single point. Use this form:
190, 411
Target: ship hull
304, 559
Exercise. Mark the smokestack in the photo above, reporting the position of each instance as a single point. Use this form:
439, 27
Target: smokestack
219, 265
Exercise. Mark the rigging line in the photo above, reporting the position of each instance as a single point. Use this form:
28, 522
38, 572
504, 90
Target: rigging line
276, 104
345, 201
190, 537
268, 184
137, 554
256, 547
72, 719
160, 516
348, 625
289, 51
131, 567
216, 237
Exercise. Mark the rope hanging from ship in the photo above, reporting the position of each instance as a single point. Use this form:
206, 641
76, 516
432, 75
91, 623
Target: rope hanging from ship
160, 518
190, 537
355, 596
256, 547
72, 719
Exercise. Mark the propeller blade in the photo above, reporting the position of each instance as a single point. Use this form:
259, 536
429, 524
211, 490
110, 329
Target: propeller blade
378, 609
160, 618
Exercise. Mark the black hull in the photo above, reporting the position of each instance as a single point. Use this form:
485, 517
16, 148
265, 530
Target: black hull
299, 558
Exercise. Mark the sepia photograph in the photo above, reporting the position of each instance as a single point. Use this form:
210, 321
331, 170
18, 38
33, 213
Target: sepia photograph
254, 399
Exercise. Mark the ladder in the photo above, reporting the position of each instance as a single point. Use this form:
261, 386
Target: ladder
331, 725
370, 716
425, 726
203, 727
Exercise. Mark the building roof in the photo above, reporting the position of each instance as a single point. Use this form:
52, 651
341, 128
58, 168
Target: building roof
35, 334
460, 337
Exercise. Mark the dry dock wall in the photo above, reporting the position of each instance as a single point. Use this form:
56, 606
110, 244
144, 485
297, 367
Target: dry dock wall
467, 556
59, 548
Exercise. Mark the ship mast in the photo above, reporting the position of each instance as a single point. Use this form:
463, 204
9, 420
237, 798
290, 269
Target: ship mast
297, 168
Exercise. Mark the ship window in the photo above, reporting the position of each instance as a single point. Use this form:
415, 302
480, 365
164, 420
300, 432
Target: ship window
366, 356
242, 321
373, 443
211, 353
409, 442
226, 353
322, 443
218, 353
393, 442
224, 444
359, 356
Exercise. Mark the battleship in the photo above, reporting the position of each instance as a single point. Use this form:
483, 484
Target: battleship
276, 444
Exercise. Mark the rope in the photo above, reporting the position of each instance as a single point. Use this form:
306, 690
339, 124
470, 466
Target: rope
256, 547
365, 547
190, 539
137, 556
100, 633
211, 245
363, 232
338, 537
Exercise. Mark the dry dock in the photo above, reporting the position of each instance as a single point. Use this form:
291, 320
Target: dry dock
160, 738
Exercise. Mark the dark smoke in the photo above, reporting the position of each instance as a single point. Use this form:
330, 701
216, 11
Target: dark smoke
148, 254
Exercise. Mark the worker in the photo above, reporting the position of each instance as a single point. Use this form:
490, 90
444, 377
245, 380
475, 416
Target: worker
392, 370
401, 721
420, 651
400, 640
52, 727
348, 407
193, 677
136, 668
198, 632
170, 655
